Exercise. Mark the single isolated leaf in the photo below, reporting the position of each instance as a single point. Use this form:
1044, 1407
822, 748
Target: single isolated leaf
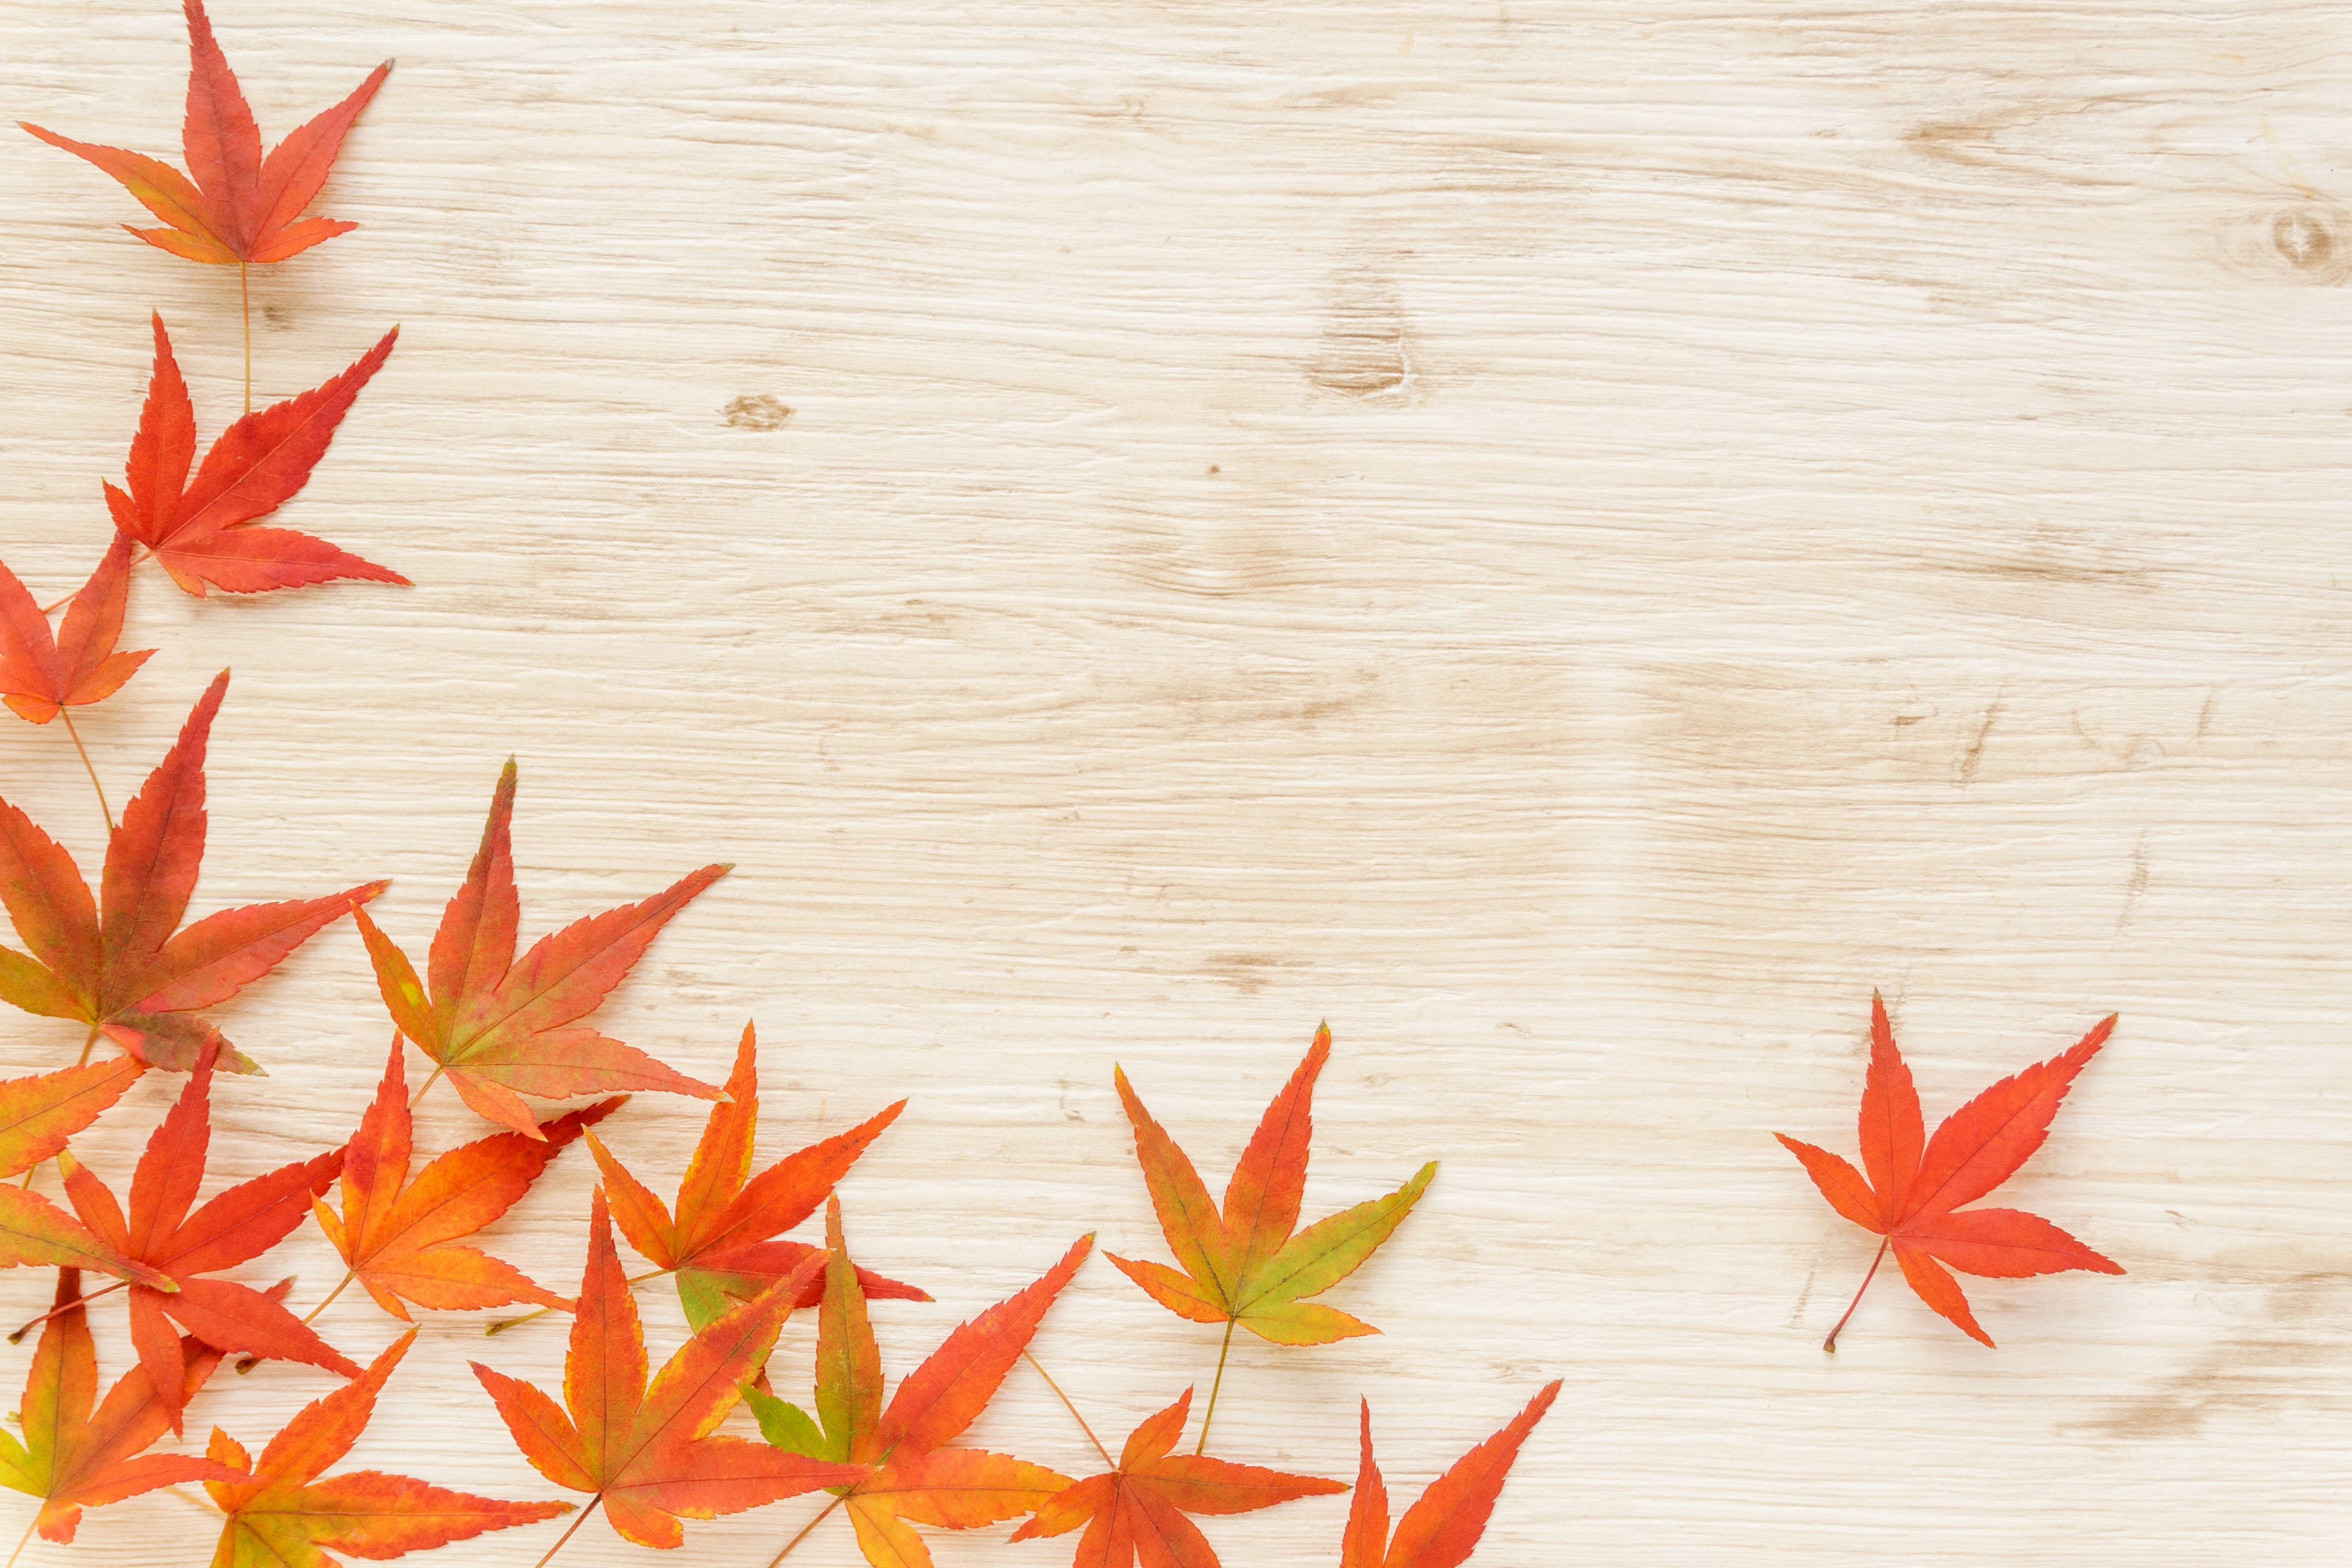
1440, 1528
240, 206
123, 964
36, 1116
720, 1241
646, 1451
402, 1238
1138, 1510
42, 674
1916, 1185
166, 1233
203, 530
502, 1029
72, 1458
1249, 1264
281, 1515
916, 1477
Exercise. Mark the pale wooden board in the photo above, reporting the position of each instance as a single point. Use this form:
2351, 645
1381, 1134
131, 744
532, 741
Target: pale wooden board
1573, 541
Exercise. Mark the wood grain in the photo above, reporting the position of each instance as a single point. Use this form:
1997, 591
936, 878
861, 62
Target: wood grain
1571, 541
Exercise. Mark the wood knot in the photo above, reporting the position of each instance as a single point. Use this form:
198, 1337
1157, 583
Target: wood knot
2302, 241
756, 411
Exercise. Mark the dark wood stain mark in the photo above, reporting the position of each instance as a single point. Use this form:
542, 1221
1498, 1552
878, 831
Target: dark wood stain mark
2136, 885
1972, 759
2269, 1368
1247, 972
1367, 350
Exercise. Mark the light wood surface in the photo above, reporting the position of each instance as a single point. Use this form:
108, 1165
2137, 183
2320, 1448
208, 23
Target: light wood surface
1571, 541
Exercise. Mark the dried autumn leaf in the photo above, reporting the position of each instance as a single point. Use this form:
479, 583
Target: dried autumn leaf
36, 1116
401, 1238
719, 1242
123, 964
240, 206
648, 1452
916, 1478
1245, 1265
281, 1515
203, 530
168, 1234
1138, 1510
72, 1459
1913, 1195
1441, 1527
502, 1029
41, 673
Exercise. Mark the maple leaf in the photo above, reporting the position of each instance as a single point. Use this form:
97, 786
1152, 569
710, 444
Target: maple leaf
1244, 1265
234, 1227
240, 206
400, 1236
1441, 1527
36, 1116
281, 1515
123, 964
1913, 1195
916, 1477
502, 1029
42, 674
72, 1459
719, 1241
648, 1451
204, 529
1137, 1510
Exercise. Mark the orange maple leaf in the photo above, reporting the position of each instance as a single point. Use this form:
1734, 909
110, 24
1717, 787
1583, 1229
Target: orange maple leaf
280, 1514
719, 1242
1243, 1265
916, 1477
36, 1116
240, 206
1136, 1510
44, 673
122, 963
1445, 1522
71, 1458
503, 1030
648, 1451
400, 1236
1913, 1195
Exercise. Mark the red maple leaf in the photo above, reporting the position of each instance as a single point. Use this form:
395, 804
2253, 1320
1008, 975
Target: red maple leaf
280, 1514
42, 674
1242, 1265
203, 529
1444, 1523
186, 1247
917, 1476
72, 1459
646, 1451
719, 1243
402, 1236
36, 1116
122, 963
502, 1029
1137, 1510
240, 206
1913, 1195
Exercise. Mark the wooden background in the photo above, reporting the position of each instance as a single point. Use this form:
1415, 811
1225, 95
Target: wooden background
1571, 541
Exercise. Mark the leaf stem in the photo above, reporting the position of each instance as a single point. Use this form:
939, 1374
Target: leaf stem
502, 1324
104, 809
804, 1535
438, 1068
244, 299
1830, 1345
1073, 1409
1211, 1412
18, 1337
24, 1539
586, 1509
